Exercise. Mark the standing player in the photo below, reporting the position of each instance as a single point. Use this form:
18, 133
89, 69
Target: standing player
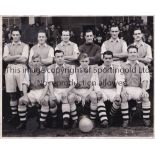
16, 55
137, 79
116, 45
35, 79
144, 50
93, 50
84, 89
64, 80
110, 80
42, 49
70, 49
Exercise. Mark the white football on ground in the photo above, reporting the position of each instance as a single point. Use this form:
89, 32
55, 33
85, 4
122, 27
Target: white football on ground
85, 124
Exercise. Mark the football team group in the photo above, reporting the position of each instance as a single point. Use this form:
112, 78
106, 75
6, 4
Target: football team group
69, 78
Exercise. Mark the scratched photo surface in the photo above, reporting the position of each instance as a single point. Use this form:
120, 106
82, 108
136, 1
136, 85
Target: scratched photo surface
66, 76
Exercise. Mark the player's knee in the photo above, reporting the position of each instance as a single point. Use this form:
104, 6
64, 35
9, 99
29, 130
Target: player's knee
93, 96
64, 96
99, 95
71, 98
52, 104
23, 101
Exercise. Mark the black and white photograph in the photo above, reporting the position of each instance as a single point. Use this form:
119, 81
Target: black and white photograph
77, 76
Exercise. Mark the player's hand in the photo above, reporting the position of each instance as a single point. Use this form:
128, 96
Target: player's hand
25, 99
117, 98
144, 94
41, 100
52, 97
124, 95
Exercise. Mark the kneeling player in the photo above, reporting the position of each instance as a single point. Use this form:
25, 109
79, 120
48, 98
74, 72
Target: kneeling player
84, 89
63, 81
35, 79
137, 79
110, 80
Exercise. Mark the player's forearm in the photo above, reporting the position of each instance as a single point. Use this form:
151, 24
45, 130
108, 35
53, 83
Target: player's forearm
70, 88
11, 58
51, 90
47, 61
70, 57
21, 60
121, 55
144, 60
44, 91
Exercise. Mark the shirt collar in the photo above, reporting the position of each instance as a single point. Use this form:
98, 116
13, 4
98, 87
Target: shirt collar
103, 66
140, 44
112, 40
128, 62
63, 44
56, 65
45, 45
18, 43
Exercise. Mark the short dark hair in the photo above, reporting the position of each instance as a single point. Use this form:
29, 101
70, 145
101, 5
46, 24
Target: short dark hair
83, 56
16, 29
66, 30
108, 53
87, 31
137, 28
132, 46
114, 26
58, 51
36, 56
42, 31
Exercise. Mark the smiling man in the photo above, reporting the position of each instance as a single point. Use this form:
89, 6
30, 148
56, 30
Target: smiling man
116, 45
15, 55
70, 49
137, 82
45, 51
144, 50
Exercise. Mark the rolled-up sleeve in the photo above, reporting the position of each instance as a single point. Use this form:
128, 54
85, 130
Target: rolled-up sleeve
149, 52
51, 53
25, 52
124, 47
76, 50
6, 51
103, 48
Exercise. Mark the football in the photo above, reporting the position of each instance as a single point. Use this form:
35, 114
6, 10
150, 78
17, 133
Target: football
85, 124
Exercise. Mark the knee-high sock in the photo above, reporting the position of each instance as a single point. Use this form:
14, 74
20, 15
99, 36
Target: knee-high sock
93, 110
146, 107
53, 111
66, 110
14, 107
43, 113
73, 111
114, 109
125, 110
102, 111
22, 110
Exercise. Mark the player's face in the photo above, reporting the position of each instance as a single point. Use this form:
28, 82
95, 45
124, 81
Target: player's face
36, 62
84, 62
132, 54
114, 32
59, 58
89, 37
107, 60
42, 38
65, 36
137, 35
16, 36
